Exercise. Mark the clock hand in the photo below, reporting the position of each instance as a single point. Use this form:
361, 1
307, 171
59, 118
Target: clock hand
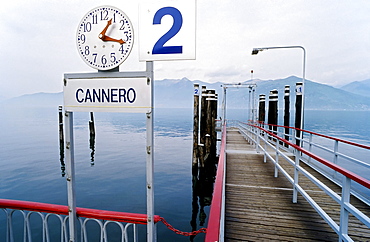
107, 38
102, 34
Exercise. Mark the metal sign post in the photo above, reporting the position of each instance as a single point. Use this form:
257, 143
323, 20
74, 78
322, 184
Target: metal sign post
70, 176
83, 92
151, 231
114, 91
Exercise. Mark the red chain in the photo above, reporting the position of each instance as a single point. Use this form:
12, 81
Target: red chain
169, 226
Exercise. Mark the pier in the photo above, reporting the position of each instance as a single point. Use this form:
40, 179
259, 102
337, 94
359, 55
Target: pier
276, 195
259, 206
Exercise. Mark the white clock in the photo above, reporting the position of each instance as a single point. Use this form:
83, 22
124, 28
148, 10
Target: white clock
105, 37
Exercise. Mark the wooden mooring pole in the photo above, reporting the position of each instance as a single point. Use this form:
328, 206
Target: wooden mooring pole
92, 138
204, 131
203, 124
262, 109
61, 141
195, 130
91, 124
61, 135
273, 110
286, 111
298, 111
214, 132
211, 136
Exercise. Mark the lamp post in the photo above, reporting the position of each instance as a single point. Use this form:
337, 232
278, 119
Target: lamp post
255, 52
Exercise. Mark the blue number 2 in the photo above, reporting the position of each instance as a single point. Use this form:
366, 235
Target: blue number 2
159, 47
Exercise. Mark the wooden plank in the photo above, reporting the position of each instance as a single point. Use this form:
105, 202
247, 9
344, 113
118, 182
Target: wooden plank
259, 206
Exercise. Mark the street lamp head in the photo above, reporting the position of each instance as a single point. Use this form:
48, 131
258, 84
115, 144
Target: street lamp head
255, 51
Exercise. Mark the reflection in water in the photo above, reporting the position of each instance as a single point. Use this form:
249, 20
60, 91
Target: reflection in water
92, 147
61, 142
61, 158
92, 137
202, 184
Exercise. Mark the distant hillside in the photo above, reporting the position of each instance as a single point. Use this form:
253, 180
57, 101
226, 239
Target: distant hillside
358, 87
35, 100
318, 96
178, 93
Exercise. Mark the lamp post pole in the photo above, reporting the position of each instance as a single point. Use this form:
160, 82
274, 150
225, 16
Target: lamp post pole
255, 52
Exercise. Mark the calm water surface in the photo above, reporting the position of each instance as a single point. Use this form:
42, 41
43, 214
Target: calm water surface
115, 178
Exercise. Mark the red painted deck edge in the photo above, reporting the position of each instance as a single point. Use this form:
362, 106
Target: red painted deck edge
213, 229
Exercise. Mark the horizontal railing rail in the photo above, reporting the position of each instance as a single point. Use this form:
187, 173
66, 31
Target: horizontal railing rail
263, 138
216, 219
336, 141
45, 211
332, 149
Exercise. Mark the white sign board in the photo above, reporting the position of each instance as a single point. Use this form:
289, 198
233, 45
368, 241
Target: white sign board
167, 30
129, 95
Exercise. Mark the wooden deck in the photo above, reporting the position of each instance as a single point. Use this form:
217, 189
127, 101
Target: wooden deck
259, 206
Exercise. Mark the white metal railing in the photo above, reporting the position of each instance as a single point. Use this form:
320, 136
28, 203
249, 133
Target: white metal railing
332, 149
48, 222
264, 139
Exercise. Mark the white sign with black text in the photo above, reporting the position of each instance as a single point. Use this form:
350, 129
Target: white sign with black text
128, 95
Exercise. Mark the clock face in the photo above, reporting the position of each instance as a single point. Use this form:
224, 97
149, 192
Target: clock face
105, 37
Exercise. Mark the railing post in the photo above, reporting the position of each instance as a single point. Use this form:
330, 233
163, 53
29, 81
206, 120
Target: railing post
336, 152
346, 193
258, 134
335, 159
296, 177
310, 146
277, 158
70, 172
293, 140
9, 227
265, 147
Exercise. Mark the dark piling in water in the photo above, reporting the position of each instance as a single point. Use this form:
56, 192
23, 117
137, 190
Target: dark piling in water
204, 132
273, 110
195, 130
92, 124
214, 132
298, 111
286, 111
92, 138
61, 141
262, 109
204, 153
203, 124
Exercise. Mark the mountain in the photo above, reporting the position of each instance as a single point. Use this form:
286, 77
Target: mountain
178, 93
358, 87
35, 100
317, 96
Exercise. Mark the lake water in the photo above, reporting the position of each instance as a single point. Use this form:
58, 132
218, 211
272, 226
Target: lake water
115, 180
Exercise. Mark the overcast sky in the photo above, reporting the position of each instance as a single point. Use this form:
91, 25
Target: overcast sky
38, 43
